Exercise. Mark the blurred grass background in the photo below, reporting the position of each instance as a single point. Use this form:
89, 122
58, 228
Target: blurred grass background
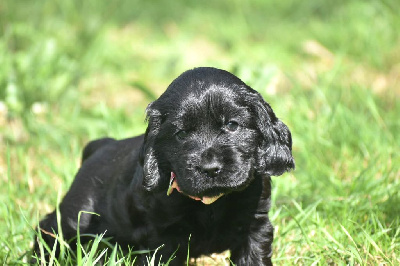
74, 70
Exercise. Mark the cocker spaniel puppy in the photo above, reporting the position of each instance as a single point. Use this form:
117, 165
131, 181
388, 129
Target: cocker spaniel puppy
200, 172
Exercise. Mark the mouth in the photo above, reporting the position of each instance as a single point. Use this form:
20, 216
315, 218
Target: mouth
173, 184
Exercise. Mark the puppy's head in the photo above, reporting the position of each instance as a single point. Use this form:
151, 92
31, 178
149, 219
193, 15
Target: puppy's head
210, 134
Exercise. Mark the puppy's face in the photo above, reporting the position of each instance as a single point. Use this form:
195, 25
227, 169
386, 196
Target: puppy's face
210, 143
209, 134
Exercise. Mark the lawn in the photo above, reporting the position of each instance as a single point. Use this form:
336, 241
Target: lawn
72, 71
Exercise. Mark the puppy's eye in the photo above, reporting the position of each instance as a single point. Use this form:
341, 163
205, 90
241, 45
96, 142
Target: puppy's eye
232, 126
182, 134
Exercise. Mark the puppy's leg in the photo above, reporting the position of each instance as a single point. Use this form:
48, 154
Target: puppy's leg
257, 248
82, 196
47, 228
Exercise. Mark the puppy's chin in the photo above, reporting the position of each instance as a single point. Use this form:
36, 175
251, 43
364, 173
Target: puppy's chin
206, 199
207, 191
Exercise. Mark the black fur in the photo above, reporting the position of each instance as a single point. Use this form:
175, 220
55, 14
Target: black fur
218, 136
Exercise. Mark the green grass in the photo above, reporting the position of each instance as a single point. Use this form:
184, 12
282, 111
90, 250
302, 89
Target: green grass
72, 71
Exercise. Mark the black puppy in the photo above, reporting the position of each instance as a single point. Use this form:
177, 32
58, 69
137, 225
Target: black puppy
202, 170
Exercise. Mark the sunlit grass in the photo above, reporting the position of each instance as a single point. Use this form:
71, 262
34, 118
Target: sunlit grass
73, 71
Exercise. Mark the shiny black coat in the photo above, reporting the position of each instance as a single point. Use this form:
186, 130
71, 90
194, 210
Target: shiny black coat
218, 136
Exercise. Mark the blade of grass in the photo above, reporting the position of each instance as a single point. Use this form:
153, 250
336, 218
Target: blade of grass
188, 251
153, 257
113, 257
93, 250
331, 238
373, 243
79, 247
60, 235
353, 248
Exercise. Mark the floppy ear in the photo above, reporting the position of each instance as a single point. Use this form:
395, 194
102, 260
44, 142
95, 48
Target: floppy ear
147, 156
275, 151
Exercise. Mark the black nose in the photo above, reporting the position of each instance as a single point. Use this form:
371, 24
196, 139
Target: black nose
209, 163
211, 169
